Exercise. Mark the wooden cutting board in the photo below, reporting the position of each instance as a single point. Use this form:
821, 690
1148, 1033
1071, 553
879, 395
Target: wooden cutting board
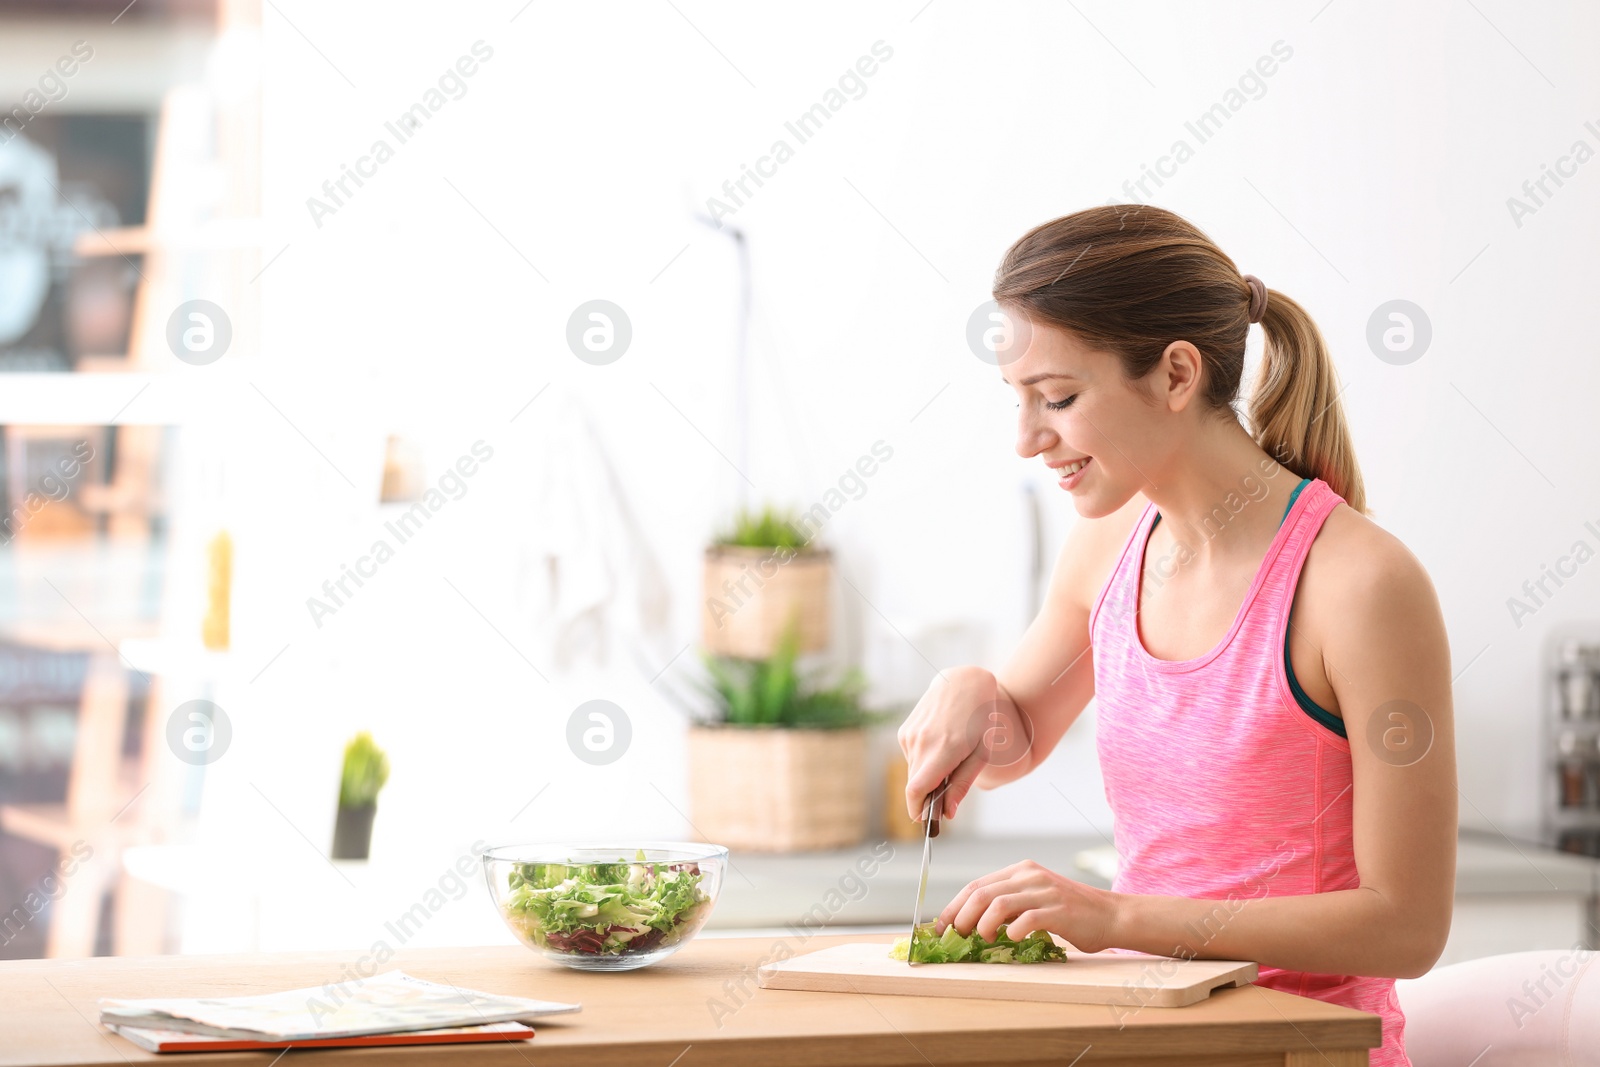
1110, 978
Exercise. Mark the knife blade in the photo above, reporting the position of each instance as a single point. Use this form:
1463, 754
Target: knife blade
930, 816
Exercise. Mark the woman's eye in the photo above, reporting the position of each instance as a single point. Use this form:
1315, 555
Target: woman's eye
1057, 405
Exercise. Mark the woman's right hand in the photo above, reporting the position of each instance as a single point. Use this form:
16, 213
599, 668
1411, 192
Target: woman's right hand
949, 733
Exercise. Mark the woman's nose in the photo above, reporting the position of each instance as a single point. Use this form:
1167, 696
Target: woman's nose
1033, 436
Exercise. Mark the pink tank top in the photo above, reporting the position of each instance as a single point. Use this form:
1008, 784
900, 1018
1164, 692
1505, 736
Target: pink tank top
1221, 786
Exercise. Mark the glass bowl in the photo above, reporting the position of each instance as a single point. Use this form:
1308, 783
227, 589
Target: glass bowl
605, 907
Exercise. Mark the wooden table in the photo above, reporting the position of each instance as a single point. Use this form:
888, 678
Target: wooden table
698, 1008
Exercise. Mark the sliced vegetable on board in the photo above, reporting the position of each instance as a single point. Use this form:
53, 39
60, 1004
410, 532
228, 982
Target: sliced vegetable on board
952, 947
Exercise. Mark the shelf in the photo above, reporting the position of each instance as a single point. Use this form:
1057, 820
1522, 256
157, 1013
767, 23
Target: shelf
45, 824
71, 635
163, 656
1575, 818
218, 235
48, 824
129, 398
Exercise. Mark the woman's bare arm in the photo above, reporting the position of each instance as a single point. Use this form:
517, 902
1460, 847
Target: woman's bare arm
1049, 679
986, 729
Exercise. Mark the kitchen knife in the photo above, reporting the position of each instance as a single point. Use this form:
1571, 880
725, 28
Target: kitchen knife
930, 815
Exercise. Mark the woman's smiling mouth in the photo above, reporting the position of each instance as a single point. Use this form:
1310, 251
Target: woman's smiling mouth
1071, 472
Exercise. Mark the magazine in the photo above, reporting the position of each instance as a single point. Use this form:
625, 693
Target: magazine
388, 1003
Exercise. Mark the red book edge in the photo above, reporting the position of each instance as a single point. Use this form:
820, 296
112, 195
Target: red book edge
199, 1043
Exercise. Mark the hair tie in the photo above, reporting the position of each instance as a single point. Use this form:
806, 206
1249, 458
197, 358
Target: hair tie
1258, 297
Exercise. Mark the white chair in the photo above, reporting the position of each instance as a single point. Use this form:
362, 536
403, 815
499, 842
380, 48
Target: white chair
1523, 1009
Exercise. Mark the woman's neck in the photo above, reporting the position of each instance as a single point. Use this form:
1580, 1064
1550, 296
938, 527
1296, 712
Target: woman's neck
1224, 495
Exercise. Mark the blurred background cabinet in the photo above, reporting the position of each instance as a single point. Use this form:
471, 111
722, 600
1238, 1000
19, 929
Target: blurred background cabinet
132, 190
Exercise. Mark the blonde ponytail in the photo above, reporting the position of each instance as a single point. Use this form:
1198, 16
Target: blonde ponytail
1295, 414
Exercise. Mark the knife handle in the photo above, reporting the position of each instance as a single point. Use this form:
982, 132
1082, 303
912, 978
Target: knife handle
933, 806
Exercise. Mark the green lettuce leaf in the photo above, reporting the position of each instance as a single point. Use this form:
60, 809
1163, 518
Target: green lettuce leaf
952, 947
613, 902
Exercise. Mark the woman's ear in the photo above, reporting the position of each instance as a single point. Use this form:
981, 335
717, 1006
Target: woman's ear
1179, 375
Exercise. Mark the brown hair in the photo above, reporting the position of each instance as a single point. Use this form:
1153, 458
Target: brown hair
1130, 279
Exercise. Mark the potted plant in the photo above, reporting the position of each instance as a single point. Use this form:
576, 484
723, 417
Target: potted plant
760, 576
781, 764
366, 769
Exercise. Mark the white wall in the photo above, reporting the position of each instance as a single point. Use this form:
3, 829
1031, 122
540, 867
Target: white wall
1375, 166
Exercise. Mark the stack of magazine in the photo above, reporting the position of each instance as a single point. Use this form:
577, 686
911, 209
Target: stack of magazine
392, 1008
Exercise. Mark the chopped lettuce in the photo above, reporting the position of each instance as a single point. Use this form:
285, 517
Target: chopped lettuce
605, 908
951, 947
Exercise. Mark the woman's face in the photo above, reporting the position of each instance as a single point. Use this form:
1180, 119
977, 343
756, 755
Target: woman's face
1104, 439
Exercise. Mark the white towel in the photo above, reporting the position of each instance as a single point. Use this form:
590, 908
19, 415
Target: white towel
587, 575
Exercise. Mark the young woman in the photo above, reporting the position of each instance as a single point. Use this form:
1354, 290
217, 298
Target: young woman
1270, 667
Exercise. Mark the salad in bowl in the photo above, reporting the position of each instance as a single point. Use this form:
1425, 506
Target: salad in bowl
605, 908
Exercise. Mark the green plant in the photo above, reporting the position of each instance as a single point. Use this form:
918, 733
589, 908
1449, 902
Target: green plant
772, 692
366, 769
768, 528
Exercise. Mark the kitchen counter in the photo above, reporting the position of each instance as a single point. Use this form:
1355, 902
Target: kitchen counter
772, 890
874, 884
701, 1008
1490, 863
1510, 895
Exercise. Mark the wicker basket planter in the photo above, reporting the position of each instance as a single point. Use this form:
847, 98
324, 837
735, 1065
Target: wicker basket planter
751, 594
778, 789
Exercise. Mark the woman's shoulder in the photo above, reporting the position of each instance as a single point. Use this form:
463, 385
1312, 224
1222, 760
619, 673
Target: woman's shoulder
1368, 608
1356, 566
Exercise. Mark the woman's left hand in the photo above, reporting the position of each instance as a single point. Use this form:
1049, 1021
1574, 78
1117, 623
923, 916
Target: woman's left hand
1026, 897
